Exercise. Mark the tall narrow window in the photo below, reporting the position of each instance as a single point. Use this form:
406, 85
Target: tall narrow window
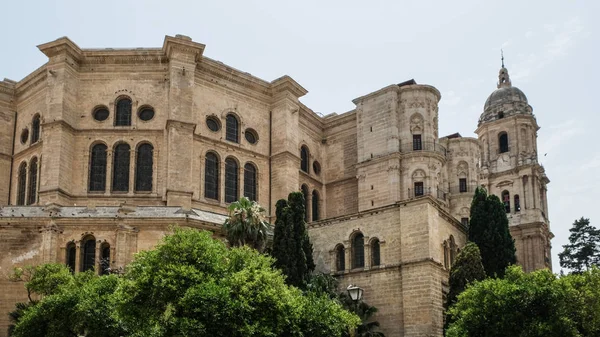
506, 201
250, 181
304, 159
517, 203
22, 184
121, 161
340, 259
105, 259
417, 144
375, 253
211, 177
232, 132
70, 258
418, 189
143, 168
98, 168
88, 254
32, 188
315, 206
35, 129
123, 116
503, 142
358, 251
231, 180
305, 194
462, 185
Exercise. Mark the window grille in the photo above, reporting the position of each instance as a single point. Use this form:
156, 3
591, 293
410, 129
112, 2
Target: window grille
231, 180
358, 251
375, 253
88, 260
211, 177
250, 182
462, 185
232, 129
304, 159
340, 259
123, 116
517, 203
419, 189
121, 168
464, 221
417, 143
98, 168
35, 129
21, 186
32, 188
506, 201
143, 168
315, 206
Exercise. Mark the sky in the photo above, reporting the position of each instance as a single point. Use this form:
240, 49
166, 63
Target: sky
341, 50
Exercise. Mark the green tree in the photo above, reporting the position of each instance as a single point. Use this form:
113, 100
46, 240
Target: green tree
467, 268
368, 327
529, 304
583, 250
292, 249
192, 285
246, 225
488, 228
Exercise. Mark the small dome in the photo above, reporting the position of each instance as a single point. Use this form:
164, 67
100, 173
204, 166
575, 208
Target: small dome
505, 95
504, 101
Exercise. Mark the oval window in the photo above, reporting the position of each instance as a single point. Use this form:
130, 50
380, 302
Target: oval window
316, 167
251, 136
24, 135
146, 114
213, 124
101, 114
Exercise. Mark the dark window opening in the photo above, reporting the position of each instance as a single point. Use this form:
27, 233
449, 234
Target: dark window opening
33, 173
213, 124
88, 257
146, 114
144, 168
464, 221
231, 180
98, 168
503, 141
250, 182
35, 129
22, 184
24, 135
500, 115
462, 185
417, 144
251, 136
340, 259
358, 251
316, 167
419, 189
506, 201
315, 206
70, 258
375, 253
121, 161
305, 194
231, 129
304, 159
100, 114
211, 177
105, 260
517, 203
123, 117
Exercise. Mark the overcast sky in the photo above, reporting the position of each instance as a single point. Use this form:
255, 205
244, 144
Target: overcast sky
340, 50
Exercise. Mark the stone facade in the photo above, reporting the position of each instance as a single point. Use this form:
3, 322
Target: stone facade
102, 150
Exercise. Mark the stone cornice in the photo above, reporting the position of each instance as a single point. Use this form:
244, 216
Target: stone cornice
310, 177
60, 46
211, 68
287, 84
425, 87
7, 87
31, 80
228, 145
183, 44
181, 124
376, 93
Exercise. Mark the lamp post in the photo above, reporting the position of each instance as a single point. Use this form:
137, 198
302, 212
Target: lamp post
355, 293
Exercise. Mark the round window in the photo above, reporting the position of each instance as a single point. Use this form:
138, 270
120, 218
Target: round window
251, 136
24, 135
316, 167
101, 114
213, 124
146, 114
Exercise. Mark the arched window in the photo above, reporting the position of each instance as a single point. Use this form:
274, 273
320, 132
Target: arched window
503, 142
315, 205
358, 251
446, 255
105, 259
121, 160
98, 168
232, 131
250, 181
211, 176
32, 190
231, 180
22, 184
340, 259
375, 253
88, 254
143, 167
70, 258
35, 129
506, 201
123, 116
517, 203
453, 250
305, 194
304, 159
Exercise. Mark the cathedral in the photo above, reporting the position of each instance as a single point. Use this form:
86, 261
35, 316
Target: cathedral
102, 150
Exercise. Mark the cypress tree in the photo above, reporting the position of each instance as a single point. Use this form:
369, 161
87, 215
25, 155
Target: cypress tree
488, 228
281, 234
466, 269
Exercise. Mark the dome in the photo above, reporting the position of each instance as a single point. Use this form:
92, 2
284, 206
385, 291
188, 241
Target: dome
505, 95
504, 101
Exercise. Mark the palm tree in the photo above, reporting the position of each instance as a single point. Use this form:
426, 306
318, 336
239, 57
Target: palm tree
365, 312
246, 224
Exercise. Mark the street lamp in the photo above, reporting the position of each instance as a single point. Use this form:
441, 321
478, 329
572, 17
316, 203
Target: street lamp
355, 292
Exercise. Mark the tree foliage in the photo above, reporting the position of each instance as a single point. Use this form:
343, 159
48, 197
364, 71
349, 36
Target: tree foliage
583, 250
246, 224
533, 304
368, 326
467, 268
292, 249
488, 228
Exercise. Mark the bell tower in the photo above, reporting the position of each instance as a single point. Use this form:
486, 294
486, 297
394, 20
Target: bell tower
507, 132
